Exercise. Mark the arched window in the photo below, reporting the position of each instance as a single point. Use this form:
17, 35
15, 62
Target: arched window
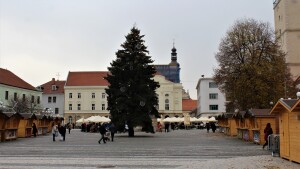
70, 119
167, 107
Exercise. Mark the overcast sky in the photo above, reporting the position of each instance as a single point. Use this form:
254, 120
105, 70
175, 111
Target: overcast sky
41, 38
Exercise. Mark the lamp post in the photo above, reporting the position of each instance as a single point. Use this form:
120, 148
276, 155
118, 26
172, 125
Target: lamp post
298, 95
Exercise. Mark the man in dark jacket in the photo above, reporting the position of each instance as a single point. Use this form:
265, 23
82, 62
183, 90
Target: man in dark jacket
102, 132
112, 130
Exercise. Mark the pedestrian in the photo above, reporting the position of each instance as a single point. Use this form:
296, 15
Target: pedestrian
34, 129
207, 127
213, 127
167, 124
54, 131
112, 130
69, 127
159, 127
62, 132
268, 131
102, 132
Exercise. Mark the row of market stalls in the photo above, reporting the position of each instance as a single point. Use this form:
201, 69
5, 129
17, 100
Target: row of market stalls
248, 125
19, 125
187, 120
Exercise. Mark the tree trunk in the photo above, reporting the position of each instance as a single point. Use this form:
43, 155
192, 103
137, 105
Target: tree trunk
130, 132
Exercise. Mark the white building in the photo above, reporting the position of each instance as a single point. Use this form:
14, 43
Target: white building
53, 98
211, 101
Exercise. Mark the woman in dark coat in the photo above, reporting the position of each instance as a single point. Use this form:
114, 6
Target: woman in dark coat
102, 130
268, 131
34, 129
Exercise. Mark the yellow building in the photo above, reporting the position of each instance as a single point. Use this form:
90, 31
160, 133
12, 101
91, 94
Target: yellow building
287, 26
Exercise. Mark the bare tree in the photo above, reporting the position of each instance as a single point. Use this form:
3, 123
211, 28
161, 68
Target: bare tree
252, 70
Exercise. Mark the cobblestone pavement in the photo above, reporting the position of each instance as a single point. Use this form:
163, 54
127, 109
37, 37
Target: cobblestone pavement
176, 149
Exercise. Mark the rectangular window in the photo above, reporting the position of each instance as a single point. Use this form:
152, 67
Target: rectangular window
38, 100
93, 95
213, 85
213, 95
15, 96
49, 99
56, 111
103, 95
167, 107
32, 99
213, 107
24, 98
103, 106
70, 95
79, 95
93, 106
6, 95
54, 99
78, 106
70, 106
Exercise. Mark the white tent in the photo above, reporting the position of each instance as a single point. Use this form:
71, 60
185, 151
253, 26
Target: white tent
98, 119
82, 120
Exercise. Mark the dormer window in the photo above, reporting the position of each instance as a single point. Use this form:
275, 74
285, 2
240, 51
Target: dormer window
54, 87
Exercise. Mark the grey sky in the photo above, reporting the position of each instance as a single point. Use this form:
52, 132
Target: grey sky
38, 38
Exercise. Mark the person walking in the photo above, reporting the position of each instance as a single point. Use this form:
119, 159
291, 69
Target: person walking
207, 127
54, 131
268, 131
69, 127
34, 129
102, 131
112, 130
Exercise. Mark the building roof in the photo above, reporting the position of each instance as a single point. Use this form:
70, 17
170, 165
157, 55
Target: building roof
260, 112
189, 104
93, 78
10, 79
289, 102
47, 87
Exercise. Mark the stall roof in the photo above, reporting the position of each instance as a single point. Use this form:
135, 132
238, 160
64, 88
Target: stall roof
260, 112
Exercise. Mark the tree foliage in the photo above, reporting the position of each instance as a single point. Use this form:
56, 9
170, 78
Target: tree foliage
252, 70
131, 93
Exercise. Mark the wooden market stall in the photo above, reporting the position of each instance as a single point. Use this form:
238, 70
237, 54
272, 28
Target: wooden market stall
41, 124
259, 118
288, 112
231, 128
11, 125
3, 119
242, 125
25, 125
222, 122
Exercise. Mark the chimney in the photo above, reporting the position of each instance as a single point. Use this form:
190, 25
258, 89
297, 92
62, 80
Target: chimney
53, 80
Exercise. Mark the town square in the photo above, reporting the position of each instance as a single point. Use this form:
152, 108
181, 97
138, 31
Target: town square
140, 84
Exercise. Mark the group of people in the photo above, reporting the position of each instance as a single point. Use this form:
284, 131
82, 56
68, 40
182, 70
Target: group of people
60, 131
107, 130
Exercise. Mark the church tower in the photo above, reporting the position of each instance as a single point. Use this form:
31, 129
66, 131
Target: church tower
287, 27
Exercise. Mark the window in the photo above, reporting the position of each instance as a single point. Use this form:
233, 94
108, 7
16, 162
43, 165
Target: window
38, 100
79, 95
213, 85
213, 107
103, 106
93, 95
54, 87
70, 119
54, 99
32, 99
6, 95
15, 96
70, 95
93, 106
103, 95
213, 95
167, 104
78, 106
24, 98
167, 95
56, 111
49, 99
70, 106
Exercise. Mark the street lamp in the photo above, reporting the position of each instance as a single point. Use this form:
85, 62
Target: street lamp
298, 95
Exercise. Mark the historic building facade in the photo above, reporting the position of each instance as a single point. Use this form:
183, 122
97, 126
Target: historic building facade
13, 88
287, 27
53, 98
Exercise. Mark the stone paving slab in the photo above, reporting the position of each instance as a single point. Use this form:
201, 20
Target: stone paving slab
176, 149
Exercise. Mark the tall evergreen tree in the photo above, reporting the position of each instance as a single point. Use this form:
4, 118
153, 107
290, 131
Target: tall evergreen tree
131, 94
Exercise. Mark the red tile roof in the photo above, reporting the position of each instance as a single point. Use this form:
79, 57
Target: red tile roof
47, 87
10, 79
95, 78
189, 104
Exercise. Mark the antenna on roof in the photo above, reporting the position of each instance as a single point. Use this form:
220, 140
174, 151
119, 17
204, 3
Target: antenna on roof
57, 75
